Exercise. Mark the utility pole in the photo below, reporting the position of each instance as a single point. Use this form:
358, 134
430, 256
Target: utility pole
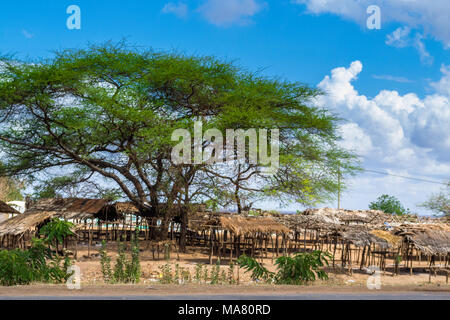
339, 188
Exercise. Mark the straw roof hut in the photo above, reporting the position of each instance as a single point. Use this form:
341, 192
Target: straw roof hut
126, 208
71, 208
433, 239
23, 223
248, 225
43, 210
117, 211
393, 240
237, 224
361, 238
332, 220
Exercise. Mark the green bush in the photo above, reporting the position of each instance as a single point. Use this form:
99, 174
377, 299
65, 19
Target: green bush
301, 268
56, 231
37, 264
389, 204
105, 262
257, 269
125, 270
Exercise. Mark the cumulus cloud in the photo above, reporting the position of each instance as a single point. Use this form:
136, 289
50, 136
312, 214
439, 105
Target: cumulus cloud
226, 13
179, 9
443, 85
402, 134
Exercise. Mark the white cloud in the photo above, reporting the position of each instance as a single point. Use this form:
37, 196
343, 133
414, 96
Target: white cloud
179, 9
425, 56
403, 37
27, 34
401, 133
443, 85
427, 18
229, 12
391, 78
355, 139
399, 38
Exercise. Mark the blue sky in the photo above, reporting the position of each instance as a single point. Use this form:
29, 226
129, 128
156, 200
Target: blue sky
403, 81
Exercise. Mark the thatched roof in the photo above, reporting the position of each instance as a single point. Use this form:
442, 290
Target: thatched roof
235, 223
361, 237
72, 208
126, 207
431, 239
6, 209
116, 211
23, 222
45, 209
393, 240
331, 220
247, 225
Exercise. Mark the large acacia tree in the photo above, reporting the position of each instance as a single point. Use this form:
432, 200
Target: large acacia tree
108, 112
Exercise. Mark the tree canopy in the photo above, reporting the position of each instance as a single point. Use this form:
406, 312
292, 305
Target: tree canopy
388, 204
439, 203
106, 113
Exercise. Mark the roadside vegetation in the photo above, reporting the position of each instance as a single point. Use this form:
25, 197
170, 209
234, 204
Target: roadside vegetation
42, 262
127, 268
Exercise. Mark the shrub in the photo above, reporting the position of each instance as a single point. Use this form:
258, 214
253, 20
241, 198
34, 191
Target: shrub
105, 262
37, 264
166, 273
388, 204
56, 231
301, 268
215, 273
257, 269
125, 270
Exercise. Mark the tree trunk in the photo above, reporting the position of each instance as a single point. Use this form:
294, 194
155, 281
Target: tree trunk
183, 231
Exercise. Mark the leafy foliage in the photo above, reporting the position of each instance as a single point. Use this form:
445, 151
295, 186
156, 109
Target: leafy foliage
388, 204
64, 112
105, 262
37, 264
56, 231
125, 270
10, 189
257, 269
301, 268
439, 203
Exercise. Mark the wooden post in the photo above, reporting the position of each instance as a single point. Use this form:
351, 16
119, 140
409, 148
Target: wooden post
210, 246
90, 239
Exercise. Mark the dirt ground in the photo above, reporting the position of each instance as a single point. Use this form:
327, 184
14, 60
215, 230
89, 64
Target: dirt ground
339, 281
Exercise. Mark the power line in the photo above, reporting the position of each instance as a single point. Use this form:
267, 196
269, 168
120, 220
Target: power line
405, 177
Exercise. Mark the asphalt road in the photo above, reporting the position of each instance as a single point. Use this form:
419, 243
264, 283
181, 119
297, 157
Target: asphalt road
326, 296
